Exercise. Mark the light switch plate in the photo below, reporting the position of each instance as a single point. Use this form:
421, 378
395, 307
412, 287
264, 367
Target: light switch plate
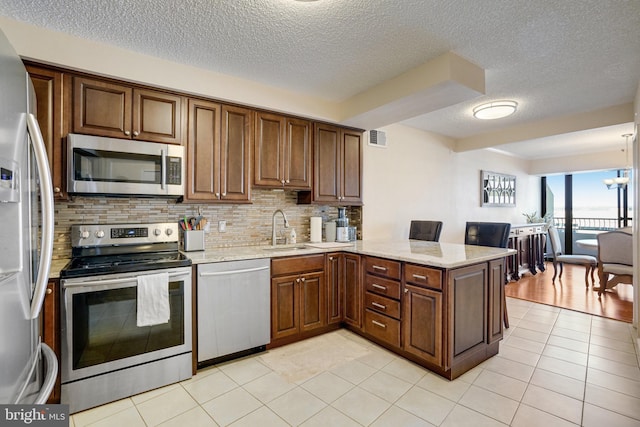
222, 226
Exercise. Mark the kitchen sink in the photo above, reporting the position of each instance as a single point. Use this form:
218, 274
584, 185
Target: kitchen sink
285, 248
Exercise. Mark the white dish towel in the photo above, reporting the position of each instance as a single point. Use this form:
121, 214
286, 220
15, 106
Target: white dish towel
153, 299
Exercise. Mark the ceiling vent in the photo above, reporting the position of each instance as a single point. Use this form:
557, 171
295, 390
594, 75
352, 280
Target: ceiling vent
377, 138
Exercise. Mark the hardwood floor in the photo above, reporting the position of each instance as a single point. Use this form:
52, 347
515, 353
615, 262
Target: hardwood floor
570, 292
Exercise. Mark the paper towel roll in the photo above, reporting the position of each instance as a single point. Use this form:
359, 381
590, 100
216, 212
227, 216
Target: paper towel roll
316, 229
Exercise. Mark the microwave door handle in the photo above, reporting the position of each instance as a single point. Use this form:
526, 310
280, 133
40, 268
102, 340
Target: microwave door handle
163, 169
46, 199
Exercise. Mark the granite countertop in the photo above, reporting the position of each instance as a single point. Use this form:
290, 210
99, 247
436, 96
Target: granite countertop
434, 254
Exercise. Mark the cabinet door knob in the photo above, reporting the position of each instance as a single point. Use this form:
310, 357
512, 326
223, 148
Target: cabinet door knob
49, 291
136, 133
330, 258
406, 291
287, 181
217, 195
224, 194
56, 189
302, 279
126, 132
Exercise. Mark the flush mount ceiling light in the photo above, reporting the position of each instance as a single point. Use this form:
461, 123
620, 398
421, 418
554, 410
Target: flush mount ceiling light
495, 110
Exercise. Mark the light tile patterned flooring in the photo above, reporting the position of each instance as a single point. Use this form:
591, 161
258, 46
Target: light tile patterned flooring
556, 367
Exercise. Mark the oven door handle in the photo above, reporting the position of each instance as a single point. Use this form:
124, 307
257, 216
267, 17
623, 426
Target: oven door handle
113, 281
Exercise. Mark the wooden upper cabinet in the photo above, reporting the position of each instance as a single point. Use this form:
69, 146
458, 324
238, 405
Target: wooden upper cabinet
282, 152
203, 151
236, 138
338, 165
157, 116
351, 164
48, 88
114, 110
218, 147
298, 154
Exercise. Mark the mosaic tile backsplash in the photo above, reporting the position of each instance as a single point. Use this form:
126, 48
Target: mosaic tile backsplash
247, 224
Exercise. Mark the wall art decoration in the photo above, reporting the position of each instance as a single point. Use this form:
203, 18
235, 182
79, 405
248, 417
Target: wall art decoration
498, 189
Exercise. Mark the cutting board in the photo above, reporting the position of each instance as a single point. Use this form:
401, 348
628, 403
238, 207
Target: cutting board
324, 245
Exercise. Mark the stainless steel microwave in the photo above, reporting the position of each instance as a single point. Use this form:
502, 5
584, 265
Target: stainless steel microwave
119, 167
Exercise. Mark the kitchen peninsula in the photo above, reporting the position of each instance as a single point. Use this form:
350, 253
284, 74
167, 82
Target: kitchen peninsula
437, 304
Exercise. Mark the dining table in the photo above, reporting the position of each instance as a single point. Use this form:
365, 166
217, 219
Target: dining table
587, 243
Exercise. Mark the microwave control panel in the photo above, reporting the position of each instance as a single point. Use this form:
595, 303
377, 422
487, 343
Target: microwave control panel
174, 170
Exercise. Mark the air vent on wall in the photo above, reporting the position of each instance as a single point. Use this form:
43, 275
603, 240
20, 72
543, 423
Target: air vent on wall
377, 138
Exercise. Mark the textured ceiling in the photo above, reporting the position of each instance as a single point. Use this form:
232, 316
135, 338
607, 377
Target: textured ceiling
555, 58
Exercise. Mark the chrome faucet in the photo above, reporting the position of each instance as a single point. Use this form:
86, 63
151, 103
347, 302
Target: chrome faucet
273, 225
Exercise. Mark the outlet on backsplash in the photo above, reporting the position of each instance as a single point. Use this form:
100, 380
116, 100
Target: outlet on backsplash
222, 226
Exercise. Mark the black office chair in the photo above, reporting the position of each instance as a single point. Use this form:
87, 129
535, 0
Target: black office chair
494, 234
425, 230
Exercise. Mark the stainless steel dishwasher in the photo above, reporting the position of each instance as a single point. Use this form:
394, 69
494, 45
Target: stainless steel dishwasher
234, 309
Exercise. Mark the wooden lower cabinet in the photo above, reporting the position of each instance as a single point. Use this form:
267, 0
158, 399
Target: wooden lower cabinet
51, 329
334, 273
448, 320
312, 299
422, 323
382, 327
298, 296
285, 308
468, 302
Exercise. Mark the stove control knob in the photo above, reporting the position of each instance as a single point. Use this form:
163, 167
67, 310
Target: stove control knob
99, 234
157, 232
84, 234
169, 231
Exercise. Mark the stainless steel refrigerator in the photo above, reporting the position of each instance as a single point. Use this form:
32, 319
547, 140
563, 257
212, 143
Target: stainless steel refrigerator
28, 367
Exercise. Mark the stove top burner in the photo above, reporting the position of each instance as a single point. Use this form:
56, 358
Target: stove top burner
108, 264
121, 248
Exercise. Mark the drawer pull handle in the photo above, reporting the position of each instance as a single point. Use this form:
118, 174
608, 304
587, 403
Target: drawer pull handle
382, 325
380, 306
377, 267
376, 286
419, 277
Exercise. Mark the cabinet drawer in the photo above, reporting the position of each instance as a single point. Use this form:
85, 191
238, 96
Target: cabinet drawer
386, 287
423, 276
296, 264
382, 305
382, 267
382, 327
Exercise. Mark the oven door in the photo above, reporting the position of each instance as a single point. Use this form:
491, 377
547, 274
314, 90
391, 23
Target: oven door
99, 331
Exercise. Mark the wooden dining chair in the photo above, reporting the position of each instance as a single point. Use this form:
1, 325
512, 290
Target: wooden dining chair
589, 262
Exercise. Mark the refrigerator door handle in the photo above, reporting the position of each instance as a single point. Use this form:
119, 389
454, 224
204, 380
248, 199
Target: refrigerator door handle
52, 373
46, 198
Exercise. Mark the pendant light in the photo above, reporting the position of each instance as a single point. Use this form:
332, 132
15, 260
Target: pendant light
621, 181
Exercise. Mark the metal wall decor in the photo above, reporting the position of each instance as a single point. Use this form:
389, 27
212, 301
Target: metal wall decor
498, 189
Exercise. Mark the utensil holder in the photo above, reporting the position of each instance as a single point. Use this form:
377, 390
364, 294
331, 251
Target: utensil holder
193, 240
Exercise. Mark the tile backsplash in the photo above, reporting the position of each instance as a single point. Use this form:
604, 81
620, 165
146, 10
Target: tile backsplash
246, 224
